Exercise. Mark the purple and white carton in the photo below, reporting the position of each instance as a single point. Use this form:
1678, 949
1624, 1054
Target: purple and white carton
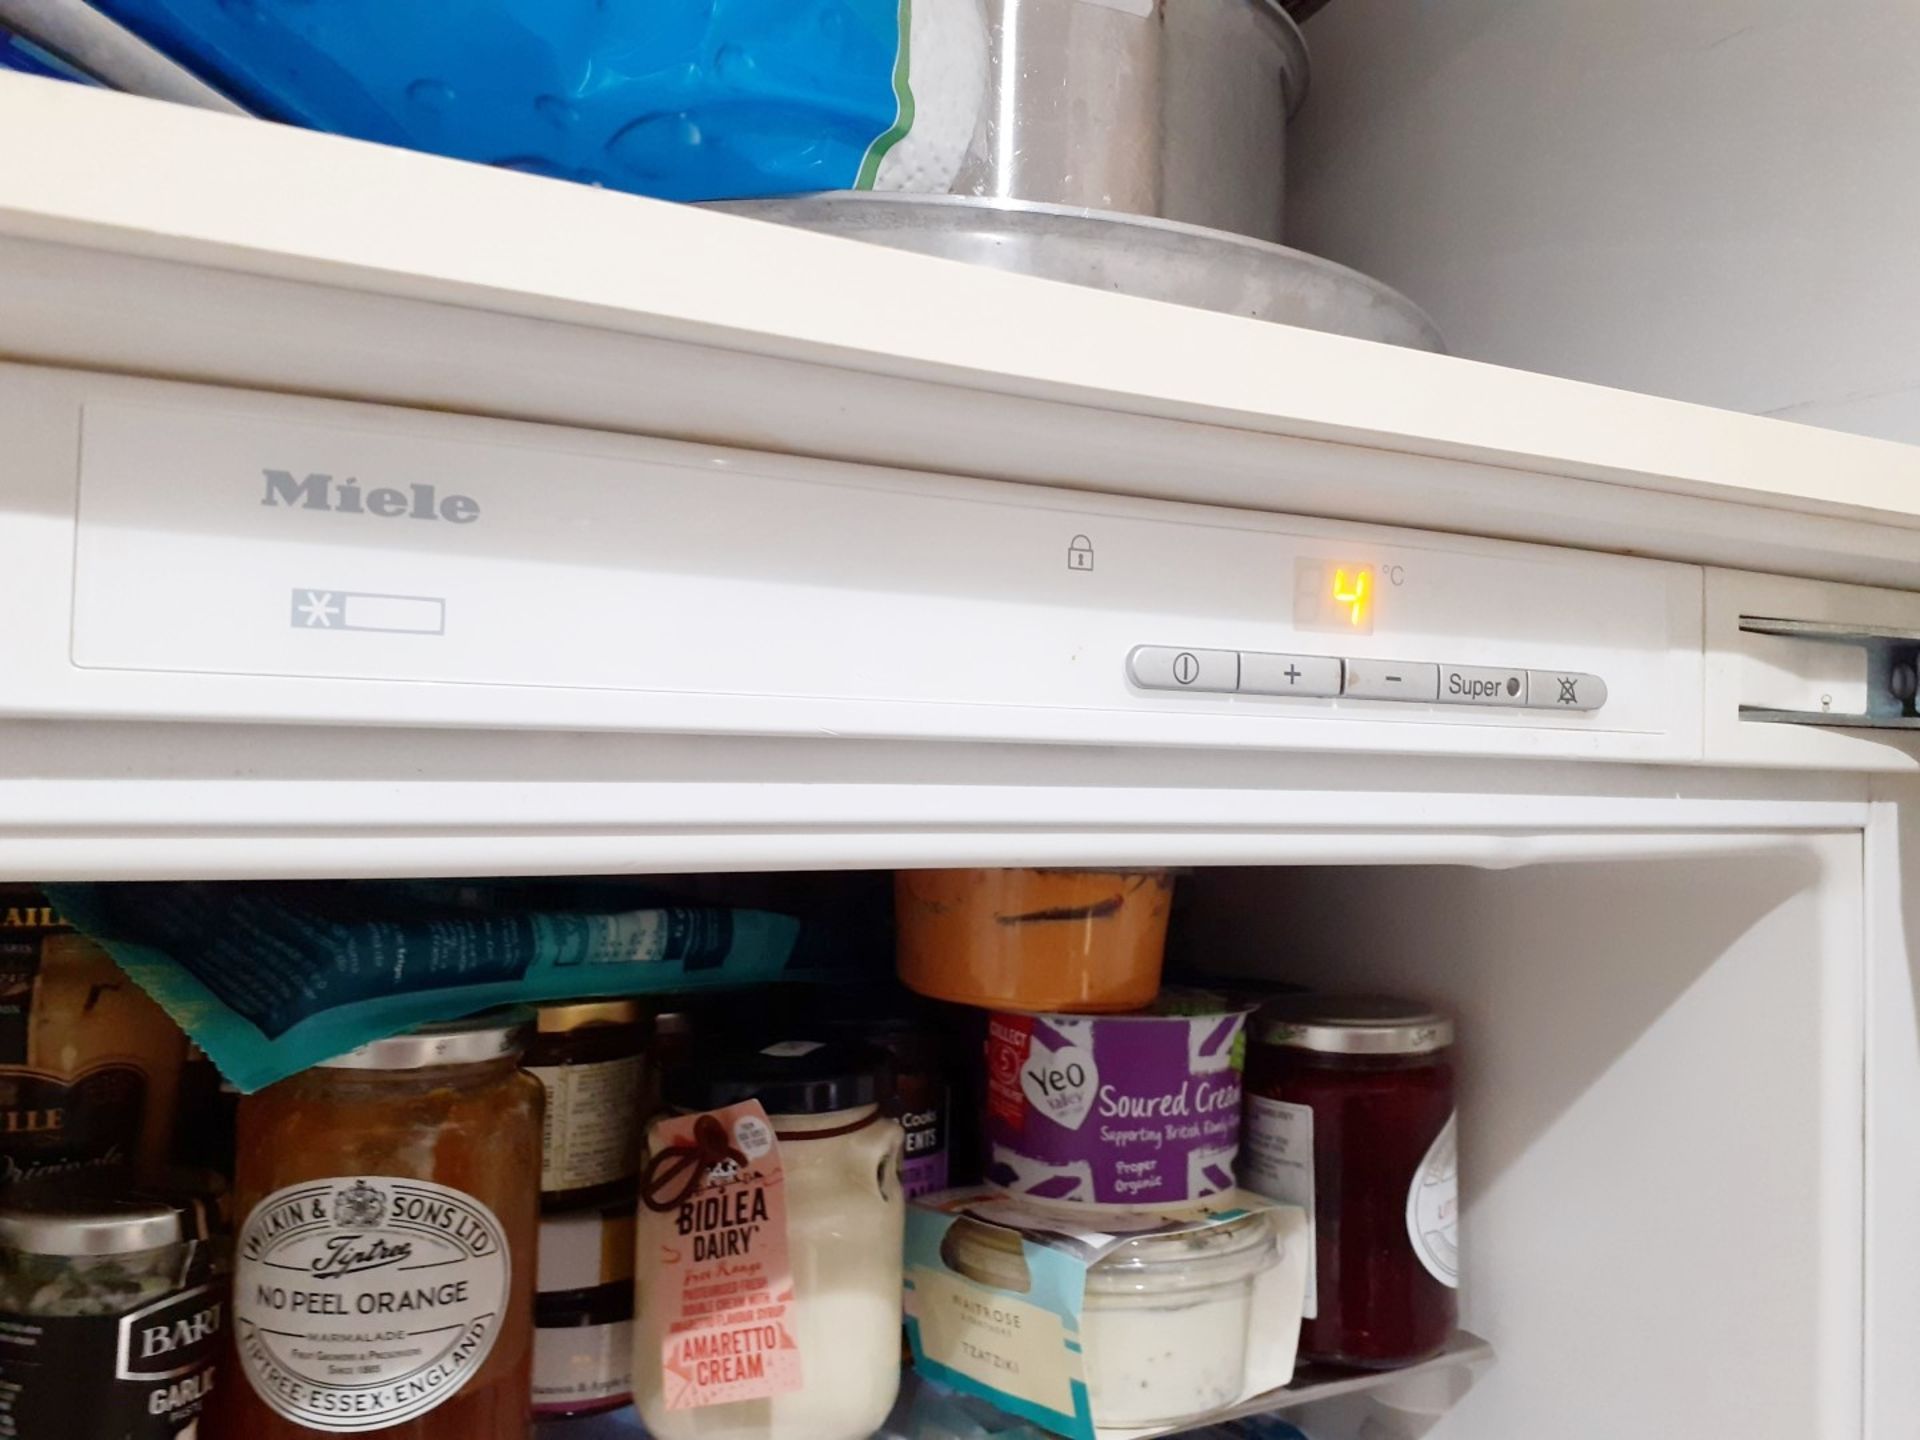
1131, 1110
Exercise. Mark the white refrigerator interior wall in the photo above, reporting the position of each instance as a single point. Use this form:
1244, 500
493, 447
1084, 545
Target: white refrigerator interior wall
1660, 1079
1714, 201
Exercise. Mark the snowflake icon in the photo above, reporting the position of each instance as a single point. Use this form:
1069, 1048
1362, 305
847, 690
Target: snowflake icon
319, 610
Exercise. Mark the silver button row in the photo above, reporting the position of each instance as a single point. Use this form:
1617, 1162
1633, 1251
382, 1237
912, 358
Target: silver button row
1325, 677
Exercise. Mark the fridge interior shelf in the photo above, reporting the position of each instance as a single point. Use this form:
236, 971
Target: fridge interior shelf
1389, 1405
1385, 1405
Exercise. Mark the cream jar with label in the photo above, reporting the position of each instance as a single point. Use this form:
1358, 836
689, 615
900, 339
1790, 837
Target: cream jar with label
778, 1166
1166, 1315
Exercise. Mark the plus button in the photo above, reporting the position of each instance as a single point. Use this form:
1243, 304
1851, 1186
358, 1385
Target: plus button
1292, 672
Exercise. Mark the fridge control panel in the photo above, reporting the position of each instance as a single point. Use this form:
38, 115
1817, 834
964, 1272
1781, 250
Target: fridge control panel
1322, 677
232, 555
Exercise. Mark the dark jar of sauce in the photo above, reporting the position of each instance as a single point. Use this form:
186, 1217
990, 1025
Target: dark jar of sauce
1350, 1114
590, 1058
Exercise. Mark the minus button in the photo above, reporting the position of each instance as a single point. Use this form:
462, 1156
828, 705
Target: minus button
1410, 680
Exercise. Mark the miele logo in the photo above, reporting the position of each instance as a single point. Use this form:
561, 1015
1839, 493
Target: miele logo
345, 497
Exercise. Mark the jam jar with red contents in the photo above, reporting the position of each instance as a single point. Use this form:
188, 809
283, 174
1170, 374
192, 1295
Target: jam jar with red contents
1350, 1114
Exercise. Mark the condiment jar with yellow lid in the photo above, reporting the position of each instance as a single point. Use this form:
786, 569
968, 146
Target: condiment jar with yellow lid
590, 1057
89, 1065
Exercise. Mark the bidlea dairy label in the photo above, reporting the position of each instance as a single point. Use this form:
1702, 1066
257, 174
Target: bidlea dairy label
721, 1266
363, 1302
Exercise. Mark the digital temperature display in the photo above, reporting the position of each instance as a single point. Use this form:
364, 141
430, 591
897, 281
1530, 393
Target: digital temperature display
1328, 595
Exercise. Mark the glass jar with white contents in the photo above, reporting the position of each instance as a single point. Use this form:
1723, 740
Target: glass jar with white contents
1165, 1320
770, 1249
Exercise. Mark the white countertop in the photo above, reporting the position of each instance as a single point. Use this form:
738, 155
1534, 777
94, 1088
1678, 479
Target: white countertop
162, 240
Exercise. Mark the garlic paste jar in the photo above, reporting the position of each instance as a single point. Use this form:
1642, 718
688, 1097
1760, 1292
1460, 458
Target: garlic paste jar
113, 1315
384, 1266
1165, 1320
770, 1249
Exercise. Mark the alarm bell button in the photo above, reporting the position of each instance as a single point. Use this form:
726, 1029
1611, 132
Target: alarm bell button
1565, 690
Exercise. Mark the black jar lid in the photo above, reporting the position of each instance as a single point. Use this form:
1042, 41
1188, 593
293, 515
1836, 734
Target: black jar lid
1353, 1025
787, 1077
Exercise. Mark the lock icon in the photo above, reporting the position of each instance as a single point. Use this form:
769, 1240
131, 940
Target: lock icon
1080, 553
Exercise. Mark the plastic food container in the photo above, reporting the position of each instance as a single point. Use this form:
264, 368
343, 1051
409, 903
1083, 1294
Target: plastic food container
1083, 941
1134, 1111
1165, 1320
1350, 1114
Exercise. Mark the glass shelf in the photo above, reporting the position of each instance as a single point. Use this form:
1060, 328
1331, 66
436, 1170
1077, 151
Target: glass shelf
1327, 1404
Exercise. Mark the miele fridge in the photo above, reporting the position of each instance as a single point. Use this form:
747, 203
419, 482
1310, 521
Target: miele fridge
357, 523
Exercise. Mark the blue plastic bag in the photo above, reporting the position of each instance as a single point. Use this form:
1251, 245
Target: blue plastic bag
683, 99
21, 55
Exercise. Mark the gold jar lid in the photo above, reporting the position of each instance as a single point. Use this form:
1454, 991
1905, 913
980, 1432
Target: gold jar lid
578, 1014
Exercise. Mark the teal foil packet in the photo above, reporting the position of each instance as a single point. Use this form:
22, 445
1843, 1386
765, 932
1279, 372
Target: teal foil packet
272, 979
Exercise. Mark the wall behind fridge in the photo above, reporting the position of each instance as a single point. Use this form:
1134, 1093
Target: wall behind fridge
1714, 200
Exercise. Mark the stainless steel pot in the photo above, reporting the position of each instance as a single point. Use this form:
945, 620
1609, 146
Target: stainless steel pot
1134, 255
1175, 109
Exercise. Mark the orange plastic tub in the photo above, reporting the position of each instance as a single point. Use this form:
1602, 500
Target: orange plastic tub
1087, 941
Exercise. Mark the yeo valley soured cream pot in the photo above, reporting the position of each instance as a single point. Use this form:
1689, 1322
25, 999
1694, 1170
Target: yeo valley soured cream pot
1132, 1110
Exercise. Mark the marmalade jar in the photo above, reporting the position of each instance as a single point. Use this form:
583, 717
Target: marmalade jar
1350, 1114
384, 1268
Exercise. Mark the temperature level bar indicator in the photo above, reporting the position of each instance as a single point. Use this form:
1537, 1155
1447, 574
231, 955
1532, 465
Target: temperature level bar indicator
315, 609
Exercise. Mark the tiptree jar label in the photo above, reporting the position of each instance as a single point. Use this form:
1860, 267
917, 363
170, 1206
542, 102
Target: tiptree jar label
363, 1302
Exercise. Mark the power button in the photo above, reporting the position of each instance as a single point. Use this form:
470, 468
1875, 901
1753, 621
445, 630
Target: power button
1166, 667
